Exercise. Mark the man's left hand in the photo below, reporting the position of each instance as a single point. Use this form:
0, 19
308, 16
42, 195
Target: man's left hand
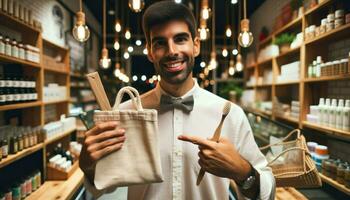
220, 158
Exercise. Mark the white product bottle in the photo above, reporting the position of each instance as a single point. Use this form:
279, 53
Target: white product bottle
339, 115
326, 114
320, 110
318, 66
333, 113
346, 116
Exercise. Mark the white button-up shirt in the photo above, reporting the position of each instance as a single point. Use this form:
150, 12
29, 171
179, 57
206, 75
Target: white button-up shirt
180, 159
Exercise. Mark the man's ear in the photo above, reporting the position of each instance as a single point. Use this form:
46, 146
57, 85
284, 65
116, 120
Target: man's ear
149, 56
196, 46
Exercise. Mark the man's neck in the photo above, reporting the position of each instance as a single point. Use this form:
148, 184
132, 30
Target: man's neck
179, 89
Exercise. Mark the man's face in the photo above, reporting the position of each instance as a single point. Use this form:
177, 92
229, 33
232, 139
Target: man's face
172, 51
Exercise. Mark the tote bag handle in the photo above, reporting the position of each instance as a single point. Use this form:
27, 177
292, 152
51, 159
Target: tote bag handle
134, 95
297, 131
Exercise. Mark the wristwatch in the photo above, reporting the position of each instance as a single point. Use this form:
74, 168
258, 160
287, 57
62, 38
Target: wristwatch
249, 182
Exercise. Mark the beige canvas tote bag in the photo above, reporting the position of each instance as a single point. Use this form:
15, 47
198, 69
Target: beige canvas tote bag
138, 161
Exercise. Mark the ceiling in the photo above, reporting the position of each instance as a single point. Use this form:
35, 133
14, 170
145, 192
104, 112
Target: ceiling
228, 14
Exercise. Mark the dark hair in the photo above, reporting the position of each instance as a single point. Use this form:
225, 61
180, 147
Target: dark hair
165, 11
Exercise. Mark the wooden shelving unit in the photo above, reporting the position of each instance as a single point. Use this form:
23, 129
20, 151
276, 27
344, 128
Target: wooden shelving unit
34, 113
335, 184
306, 90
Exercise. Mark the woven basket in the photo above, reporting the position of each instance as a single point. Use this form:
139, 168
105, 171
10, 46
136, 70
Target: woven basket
300, 174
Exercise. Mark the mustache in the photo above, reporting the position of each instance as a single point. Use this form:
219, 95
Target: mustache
173, 58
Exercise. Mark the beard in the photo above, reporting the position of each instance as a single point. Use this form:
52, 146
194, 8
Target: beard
177, 77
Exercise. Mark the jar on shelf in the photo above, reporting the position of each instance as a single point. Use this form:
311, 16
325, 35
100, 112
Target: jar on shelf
8, 47
343, 66
341, 173
21, 51
336, 67
16, 9
347, 18
323, 25
14, 50
326, 167
10, 7
4, 5
2, 45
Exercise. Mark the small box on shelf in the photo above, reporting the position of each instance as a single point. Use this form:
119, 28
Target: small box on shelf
54, 173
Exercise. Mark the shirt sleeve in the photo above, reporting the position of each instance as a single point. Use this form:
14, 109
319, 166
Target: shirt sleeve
249, 150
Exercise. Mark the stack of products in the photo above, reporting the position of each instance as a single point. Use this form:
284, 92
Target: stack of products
56, 128
289, 72
54, 92
23, 187
334, 115
332, 68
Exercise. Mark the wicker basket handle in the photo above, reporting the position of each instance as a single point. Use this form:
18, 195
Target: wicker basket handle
285, 151
284, 139
134, 95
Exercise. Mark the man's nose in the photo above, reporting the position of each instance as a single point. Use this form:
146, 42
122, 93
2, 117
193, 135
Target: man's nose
172, 48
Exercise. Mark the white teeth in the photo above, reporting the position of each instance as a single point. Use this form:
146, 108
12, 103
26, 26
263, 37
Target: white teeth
174, 64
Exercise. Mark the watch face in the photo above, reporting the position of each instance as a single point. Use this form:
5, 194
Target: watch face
248, 183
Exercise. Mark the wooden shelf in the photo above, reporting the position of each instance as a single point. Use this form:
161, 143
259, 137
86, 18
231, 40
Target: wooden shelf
335, 184
264, 85
249, 87
257, 111
266, 40
12, 22
12, 60
291, 24
59, 190
53, 45
328, 130
55, 102
56, 70
287, 118
236, 80
337, 33
317, 7
264, 62
59, 136
80, 87
251, 66
20, 105
287, 83
84, 101
328, 78
13, 157
77, 76
288, 53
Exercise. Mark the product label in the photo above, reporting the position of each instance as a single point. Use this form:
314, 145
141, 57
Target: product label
17, 97
35, 96
22, 84
8, 83
2, 83
9, 97
2, 48
5, 150
2, 98
23, 97
8, 50
15, 83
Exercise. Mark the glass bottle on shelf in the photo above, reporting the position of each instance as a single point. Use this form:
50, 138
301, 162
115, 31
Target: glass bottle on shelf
21, 51
20, 142
8, 47
2, 45
5, 148
14, 49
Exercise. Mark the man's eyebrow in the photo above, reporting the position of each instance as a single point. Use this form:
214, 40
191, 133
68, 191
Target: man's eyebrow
182, 34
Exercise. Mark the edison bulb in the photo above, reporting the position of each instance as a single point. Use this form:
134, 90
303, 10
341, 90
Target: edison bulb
134, 78
234, 1
234, 52
143, 77
118, 26
213, 64
136, 5
202, 64
231, 71
116, 45
138, 42
239, 66
228, 32
245, 39
203, 33
145, 51
105, 62
178, 1
205, 12
130, 49
80, 31
117, 73
224, 53
127, 34
126, 55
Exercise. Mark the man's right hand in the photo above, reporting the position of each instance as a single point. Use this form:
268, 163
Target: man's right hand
103, 139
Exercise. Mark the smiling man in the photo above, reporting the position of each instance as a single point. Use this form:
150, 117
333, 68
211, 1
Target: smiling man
187, 117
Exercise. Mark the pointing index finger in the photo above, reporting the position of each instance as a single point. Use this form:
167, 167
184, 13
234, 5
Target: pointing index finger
195, 140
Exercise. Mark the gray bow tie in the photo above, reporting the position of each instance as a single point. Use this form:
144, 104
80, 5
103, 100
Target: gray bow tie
186, 104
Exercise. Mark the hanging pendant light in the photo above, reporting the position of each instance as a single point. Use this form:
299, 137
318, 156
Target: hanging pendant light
136, 5
245, 38
105, 62
239, 64
228, 31
116, 45
213, 63
231, 69
205, 11
127, 34
80, 30
203, 30
224, 52
117, 70
118, 26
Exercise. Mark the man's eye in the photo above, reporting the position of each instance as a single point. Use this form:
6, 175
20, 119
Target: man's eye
158, 43
181, 39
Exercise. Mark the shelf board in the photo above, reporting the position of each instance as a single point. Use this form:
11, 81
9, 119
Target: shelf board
317, 7
264, 62
20, 105
264, 85
266, 40
287, 118
12, 60
56, 70
59, 136
257, 111
75, 75
335, 184
12, 22
335, 33
85, 101
249, 87
328, 130
236, 80
59, 190
80, 87
328, 78
56, 46
251, 66
287, 83
289, 52
13, 157
292, 23
56, 102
